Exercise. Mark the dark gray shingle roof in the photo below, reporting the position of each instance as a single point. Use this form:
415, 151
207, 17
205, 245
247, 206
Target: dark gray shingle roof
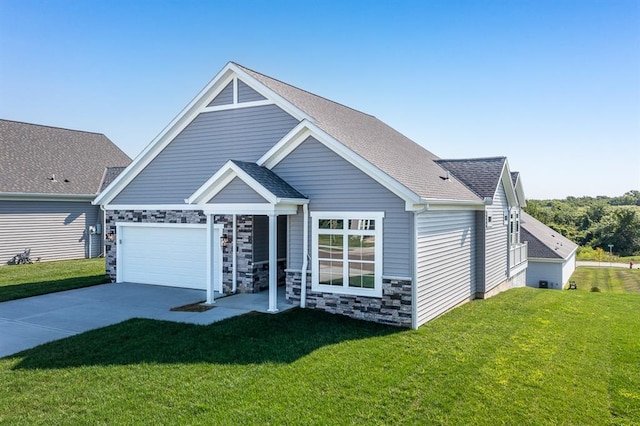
387, 149
271, 181
110, 174
544, 242
31, 154
481, 175
514, 177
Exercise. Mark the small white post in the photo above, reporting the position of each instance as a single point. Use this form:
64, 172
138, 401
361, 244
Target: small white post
273, 263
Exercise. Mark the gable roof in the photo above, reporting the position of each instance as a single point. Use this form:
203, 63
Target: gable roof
384, 147
482, 175
263, 181
517, 186
32, 155
269, 180
389, 157
544, 242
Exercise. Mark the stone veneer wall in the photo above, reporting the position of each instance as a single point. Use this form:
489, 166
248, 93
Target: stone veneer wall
261, 275
250, 278
394, 307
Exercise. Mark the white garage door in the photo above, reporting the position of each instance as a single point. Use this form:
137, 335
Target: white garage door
169, 255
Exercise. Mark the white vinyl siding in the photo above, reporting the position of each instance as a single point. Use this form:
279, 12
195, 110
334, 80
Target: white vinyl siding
445, 261
496, 242
204, 146
161, 254
333, 184
53, 230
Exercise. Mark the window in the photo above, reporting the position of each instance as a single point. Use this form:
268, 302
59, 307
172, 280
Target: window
514, 226
347, 253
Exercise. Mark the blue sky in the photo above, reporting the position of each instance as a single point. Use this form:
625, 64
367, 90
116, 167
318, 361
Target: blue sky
552, 85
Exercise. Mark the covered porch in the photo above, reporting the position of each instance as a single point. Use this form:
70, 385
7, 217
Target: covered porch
241, 190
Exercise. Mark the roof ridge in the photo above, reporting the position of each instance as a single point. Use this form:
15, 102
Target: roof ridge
472, 159
51, 127
303, 90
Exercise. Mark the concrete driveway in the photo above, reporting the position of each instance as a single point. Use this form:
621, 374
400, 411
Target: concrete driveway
29, 322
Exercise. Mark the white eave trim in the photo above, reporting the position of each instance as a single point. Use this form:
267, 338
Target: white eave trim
224, 176
187, 115
306, 129
507, 183
546, 260
26, 196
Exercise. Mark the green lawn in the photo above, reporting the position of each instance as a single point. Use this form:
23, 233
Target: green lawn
610, 280
18, 281
526, 356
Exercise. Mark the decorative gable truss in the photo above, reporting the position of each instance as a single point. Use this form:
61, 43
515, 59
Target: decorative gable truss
231, 88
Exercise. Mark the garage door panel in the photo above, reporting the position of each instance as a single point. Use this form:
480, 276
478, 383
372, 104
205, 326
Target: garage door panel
163, 255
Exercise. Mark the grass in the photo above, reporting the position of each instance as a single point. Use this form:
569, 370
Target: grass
526, 356
18, 281
609, 280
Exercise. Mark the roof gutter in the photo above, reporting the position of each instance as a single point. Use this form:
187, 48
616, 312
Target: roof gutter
45, 197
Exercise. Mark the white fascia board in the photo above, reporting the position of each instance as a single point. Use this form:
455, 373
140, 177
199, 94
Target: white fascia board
546, 260
221, 179
250, 209
439, 204
185, 117
520, 191
270, 94
29, 196
237, 106
167, 134
224, 174
509, 190
306, 129
296, 201
152, 207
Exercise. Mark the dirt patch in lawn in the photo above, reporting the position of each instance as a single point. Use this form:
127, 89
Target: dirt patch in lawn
193, 307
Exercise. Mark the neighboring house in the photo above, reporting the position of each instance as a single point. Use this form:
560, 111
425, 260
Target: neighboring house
48, 179
552, 257
258, 183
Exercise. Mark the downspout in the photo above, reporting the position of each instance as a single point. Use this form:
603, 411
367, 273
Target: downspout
234, 278
305, 255
104, 232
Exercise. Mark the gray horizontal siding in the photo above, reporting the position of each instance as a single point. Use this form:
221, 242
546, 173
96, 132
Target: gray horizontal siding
333, 184
261, 238
225, 97
445, 261
237, 192
54, 230
208, 142
247, 94
496, 250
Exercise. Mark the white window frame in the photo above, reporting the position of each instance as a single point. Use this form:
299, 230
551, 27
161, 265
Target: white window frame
316, 216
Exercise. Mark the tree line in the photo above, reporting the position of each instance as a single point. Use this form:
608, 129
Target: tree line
594, 222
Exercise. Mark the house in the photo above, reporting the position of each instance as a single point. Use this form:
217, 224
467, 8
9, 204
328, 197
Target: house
552, 257
48, 178
257, 183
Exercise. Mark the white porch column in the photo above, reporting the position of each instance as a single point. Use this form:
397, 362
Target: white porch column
273, 263
211, 240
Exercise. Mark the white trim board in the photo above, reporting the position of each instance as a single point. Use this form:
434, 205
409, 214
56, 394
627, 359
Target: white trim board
186, 116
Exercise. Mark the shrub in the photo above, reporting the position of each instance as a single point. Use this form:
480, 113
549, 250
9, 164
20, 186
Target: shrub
595, 289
